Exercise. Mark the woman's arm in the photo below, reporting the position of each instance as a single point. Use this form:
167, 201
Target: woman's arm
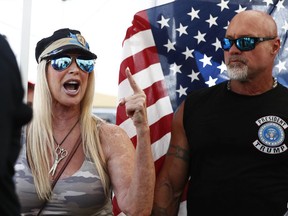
132, 170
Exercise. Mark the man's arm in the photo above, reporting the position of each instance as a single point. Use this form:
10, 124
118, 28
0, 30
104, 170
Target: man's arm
173, 176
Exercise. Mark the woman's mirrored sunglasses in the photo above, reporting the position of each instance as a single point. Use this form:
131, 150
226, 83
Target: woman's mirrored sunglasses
243, 43
62, 62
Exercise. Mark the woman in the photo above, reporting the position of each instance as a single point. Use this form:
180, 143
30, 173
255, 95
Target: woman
101, 158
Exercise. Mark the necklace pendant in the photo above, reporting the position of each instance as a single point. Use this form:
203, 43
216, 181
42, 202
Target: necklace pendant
54, 167
60, 153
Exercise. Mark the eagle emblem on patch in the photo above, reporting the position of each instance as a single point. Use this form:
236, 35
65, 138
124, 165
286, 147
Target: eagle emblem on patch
271, 135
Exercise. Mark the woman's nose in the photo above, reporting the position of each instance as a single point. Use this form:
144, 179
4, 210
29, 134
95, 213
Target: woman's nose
74, 67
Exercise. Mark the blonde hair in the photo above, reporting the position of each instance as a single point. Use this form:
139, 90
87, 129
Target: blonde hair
40, 143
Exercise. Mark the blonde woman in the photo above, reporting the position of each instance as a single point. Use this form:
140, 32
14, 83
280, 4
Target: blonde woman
73, 160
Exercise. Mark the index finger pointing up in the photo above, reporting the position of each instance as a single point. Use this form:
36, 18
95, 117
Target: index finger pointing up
132, 82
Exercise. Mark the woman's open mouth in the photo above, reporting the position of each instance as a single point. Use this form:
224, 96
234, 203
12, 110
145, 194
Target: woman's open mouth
72, 87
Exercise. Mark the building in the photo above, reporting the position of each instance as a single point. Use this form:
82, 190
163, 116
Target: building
104, 106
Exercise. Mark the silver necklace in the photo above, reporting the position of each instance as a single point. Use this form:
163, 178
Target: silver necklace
59, 152
275, 83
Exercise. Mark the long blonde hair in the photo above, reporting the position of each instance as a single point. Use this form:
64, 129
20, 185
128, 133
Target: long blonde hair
40, 143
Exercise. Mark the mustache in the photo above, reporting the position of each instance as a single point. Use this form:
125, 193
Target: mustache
236, 59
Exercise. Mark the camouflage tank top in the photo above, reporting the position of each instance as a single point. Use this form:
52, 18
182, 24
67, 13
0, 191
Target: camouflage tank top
80, 194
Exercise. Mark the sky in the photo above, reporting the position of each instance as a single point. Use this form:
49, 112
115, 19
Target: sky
103, 23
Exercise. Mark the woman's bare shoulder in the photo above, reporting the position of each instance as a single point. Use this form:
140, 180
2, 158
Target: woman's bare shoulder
110, 130
113, 139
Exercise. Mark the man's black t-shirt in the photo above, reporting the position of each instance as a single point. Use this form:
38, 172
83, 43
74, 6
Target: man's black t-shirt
238, 152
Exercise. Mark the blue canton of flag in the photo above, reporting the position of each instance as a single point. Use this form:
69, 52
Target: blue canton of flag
188, 37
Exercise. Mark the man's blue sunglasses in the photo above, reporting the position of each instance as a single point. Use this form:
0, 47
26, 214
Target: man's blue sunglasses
63, 62
243, 43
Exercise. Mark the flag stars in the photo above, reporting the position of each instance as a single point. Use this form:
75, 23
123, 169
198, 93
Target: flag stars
281, 66
211, 81
194, 14
240, 9
212, 21
175, 68
223, 5
188, 53
217, 44
163, 22
280, 5
206, 60
194, 76
170, 45
268, 2
182, 30
200, 37
226, 27
285, 27
222, 67
181, 91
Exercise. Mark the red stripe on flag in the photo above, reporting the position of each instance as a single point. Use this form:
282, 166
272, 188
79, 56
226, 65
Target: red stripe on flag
158, 164
155, 92
138, 62
155, 132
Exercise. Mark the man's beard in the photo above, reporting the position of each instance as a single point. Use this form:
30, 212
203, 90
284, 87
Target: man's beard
237, 73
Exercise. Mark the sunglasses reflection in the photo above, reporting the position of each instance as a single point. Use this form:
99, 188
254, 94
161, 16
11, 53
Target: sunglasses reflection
63, 62
243, 43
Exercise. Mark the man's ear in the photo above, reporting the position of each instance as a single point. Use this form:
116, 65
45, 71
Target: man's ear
275, 46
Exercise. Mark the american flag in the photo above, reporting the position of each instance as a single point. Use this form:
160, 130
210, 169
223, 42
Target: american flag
175, 48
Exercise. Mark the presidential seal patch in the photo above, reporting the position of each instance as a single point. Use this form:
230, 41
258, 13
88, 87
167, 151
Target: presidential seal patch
271, 135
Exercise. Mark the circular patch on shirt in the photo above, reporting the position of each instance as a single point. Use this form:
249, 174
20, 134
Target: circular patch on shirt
271, 134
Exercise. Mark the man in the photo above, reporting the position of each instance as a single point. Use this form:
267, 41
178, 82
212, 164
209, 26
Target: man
13, 114
230, 140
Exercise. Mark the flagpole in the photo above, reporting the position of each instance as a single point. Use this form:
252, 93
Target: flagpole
25, 43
